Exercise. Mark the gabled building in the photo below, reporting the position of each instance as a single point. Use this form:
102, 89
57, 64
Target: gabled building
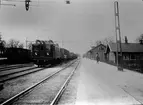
132, 53
100, 49
88, 54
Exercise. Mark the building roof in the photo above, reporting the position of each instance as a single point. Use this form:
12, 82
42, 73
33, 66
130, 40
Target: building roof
127, 47
94, 47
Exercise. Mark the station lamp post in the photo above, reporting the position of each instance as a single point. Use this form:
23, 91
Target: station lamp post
118, 37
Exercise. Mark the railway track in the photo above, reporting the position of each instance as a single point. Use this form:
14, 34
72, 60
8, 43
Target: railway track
14, 75
63, 88
14, 71
14, 67
27, 91
3, 66
18, 73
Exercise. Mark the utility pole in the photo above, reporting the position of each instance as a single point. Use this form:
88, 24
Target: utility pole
0, 36
118, 34
28, 42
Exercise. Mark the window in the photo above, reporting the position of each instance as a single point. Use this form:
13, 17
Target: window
132, 57
126, 57
141, 56
101, 48
138, 57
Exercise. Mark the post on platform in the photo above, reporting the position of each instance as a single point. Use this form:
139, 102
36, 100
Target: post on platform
26, 42
1, 86
118, 34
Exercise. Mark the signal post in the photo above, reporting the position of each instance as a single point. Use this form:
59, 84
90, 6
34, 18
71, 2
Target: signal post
118, 37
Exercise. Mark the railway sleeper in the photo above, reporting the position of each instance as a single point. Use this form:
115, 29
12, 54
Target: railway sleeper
1, 86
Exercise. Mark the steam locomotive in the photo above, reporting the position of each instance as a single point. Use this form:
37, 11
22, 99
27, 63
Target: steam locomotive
47, 52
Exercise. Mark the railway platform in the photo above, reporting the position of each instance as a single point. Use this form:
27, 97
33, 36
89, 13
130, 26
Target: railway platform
103, 84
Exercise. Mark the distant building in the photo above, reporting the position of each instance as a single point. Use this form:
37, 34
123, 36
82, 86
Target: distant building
100, 49
88, 54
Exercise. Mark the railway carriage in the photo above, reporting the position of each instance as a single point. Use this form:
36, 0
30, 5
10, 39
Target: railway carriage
17, 55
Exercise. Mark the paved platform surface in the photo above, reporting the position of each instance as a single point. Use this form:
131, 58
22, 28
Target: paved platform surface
103, 84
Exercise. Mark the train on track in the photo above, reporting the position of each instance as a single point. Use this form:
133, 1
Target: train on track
47, 52
42, 53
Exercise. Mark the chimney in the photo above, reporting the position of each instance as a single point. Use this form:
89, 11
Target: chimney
126, 40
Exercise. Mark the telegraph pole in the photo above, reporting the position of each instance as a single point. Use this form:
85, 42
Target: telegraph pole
118, 34
27, 41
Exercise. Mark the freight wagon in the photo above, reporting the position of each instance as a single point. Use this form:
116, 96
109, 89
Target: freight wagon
17, 55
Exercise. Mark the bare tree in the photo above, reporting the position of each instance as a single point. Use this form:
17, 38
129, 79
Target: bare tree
2, 44
98, 42
139, 38
105, 41
30, 45
21, 45
12, 43
109, 39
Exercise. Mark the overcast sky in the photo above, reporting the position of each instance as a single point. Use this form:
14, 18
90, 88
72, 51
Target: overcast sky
78, 25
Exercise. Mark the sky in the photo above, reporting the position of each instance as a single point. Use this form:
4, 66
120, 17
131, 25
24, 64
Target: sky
76, 26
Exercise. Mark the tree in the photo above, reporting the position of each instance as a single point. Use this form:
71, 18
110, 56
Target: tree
139, 38
21, 45
2, 45
12, 43
98, 42
2, 42
109, 39
105, 41
30, 45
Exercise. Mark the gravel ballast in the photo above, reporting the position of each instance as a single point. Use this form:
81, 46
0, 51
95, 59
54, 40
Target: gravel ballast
46, 91
17, 85
70, 93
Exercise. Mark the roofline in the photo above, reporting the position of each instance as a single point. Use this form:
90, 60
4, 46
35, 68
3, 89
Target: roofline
122, 50
99, 45
109, 46
106, 48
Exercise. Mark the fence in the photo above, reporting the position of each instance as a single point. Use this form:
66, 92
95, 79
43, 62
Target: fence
136, 65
